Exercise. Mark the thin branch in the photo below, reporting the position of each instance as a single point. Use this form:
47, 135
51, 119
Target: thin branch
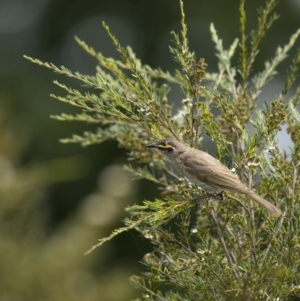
277, 231
223, 244
172, 238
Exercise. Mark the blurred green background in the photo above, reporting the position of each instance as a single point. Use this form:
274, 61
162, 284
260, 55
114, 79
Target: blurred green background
57, 199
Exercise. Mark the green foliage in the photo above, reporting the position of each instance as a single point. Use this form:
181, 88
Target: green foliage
229, 250
36, 263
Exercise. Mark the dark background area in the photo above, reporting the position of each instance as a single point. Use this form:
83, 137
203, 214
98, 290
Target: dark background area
45, 29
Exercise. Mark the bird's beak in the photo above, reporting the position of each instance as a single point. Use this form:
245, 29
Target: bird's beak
151, 145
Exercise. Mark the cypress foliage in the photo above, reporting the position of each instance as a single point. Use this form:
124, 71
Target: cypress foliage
219, 250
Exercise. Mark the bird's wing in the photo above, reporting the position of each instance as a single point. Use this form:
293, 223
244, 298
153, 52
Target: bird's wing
212, 172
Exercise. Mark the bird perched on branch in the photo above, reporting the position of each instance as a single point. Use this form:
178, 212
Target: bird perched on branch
207, 172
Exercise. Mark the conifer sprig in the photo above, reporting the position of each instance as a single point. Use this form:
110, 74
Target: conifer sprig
215, 250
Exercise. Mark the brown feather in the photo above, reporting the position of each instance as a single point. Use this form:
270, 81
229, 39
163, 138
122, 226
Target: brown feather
208, 172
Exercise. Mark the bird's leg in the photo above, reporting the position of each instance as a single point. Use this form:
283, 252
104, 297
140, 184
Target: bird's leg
219, 195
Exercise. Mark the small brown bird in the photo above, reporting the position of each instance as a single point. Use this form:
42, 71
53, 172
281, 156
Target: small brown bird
207, 172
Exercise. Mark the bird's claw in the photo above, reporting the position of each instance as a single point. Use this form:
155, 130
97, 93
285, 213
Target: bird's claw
219, 195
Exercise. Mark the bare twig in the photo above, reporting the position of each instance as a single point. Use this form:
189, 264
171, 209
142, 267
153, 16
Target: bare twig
223, 244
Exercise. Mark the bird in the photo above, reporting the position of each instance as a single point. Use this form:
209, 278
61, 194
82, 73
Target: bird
207, 172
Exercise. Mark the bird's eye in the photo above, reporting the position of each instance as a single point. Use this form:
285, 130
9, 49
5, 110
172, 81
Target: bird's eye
165, 146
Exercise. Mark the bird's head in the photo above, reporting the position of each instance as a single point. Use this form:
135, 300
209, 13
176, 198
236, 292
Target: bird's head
166, 147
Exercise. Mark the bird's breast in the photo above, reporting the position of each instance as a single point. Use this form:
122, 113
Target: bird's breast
180, 164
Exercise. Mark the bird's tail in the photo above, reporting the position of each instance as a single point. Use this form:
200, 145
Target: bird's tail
270, 207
